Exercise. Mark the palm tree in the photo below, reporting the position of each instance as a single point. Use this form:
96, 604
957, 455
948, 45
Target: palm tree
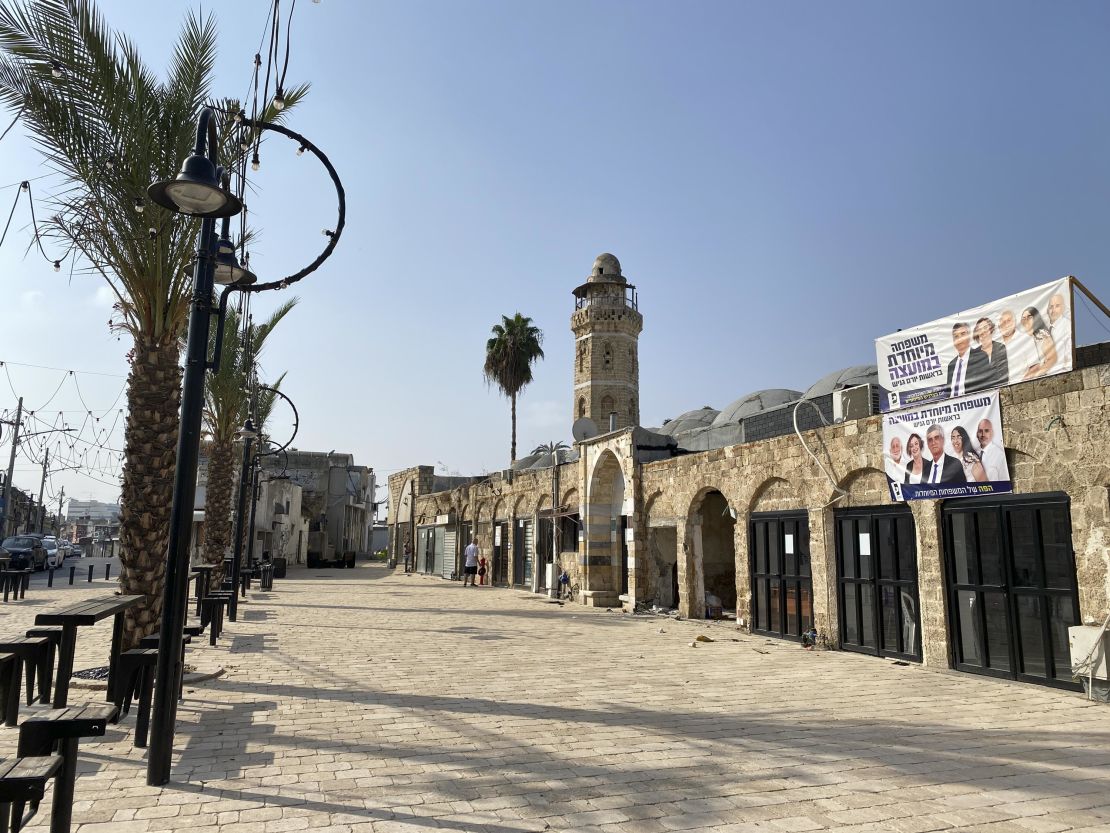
108, 128
510, 354
226, 402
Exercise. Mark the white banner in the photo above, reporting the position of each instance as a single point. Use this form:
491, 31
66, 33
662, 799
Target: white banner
950, 449
1025, 336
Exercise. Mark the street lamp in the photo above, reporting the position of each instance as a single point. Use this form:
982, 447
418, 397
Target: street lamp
201, 190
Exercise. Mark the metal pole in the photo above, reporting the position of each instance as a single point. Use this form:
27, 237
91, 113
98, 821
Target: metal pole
42, 487
255, 488
5, 513
168, 672
237, 553
553, 583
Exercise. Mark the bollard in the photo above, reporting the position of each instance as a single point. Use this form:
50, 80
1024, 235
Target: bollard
50, 578
107, 571
72, 571
90, 572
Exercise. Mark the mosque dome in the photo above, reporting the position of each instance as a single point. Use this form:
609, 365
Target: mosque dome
860, 374
689, 421
606, 268
754, 403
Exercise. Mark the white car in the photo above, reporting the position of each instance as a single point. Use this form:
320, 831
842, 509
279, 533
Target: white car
54, 557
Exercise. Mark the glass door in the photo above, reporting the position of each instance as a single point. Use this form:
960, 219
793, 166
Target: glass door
782, 590
876, 557
1012, 587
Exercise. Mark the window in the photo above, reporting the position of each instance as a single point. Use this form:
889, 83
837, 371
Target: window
581, 407
607, 356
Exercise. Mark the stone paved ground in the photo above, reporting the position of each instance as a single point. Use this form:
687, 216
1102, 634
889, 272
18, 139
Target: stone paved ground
371, 701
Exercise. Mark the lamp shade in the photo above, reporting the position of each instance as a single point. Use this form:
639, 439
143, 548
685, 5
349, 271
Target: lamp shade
247, 432
227, 270
195, 191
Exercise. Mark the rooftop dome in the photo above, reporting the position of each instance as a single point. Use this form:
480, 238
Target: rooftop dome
688, 421
606, 268
753, 403
860, 374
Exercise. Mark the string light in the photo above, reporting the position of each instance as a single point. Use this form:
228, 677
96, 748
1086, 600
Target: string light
139, 204
279, 101
56, 69
57, 266
301, 150
255, 163
327, 232
153, 233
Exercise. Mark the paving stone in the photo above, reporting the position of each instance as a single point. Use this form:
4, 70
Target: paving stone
383, 704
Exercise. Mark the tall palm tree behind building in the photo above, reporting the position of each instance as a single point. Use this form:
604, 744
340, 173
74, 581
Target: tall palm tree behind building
510, 353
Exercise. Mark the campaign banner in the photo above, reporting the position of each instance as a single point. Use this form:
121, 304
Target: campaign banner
950, 449
1022, 337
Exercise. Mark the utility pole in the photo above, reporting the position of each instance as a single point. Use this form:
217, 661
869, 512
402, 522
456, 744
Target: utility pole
42, 488
5, 513
58, 517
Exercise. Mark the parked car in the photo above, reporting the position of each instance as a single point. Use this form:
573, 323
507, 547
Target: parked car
66, 547
54, 557
76, 550
26, 551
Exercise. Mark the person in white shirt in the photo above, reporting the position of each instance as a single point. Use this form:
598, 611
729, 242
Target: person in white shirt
1020, 350
470, 565
992, 455
894, 460
1059, 325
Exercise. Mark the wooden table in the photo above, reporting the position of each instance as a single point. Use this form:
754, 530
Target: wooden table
204, 579
85, 613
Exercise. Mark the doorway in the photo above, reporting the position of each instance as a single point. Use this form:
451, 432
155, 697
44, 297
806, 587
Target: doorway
876, 557
782, 589
1012, 587
522, 554
499, 575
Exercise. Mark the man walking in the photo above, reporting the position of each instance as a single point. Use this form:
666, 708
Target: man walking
408, 556
470, 565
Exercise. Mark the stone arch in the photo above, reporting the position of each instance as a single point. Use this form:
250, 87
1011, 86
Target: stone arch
607, 407
865, 486
484, 511
774, 494
710, 548
605, 573
499, 509
569, 498
518, 504
543, 502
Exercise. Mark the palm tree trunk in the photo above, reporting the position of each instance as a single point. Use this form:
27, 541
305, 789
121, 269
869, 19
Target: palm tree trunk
150, 449
512, 453
217, 506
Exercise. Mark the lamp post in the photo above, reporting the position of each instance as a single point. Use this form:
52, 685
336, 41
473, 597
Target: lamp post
246, 435
200, 190
196, 191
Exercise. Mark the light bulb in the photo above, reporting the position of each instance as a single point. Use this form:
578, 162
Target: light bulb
283, 285
238, 117
56, 69
57, 266
25, 186
300, 151
279, 102
153, 232
139, 204
327, 232
255, 163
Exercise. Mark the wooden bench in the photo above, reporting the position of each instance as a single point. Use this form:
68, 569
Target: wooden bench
23, 781
15, 582
37, 656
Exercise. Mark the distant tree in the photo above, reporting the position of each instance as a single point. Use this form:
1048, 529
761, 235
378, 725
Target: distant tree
510, 354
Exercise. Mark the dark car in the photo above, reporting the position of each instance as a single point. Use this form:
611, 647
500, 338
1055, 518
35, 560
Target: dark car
25, 551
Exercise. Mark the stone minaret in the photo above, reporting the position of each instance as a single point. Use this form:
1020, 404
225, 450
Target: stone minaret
606, 325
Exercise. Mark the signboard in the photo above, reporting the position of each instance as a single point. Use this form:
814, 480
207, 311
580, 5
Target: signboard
1024, 336
950, 449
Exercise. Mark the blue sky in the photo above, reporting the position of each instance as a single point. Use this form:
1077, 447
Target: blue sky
782, 181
